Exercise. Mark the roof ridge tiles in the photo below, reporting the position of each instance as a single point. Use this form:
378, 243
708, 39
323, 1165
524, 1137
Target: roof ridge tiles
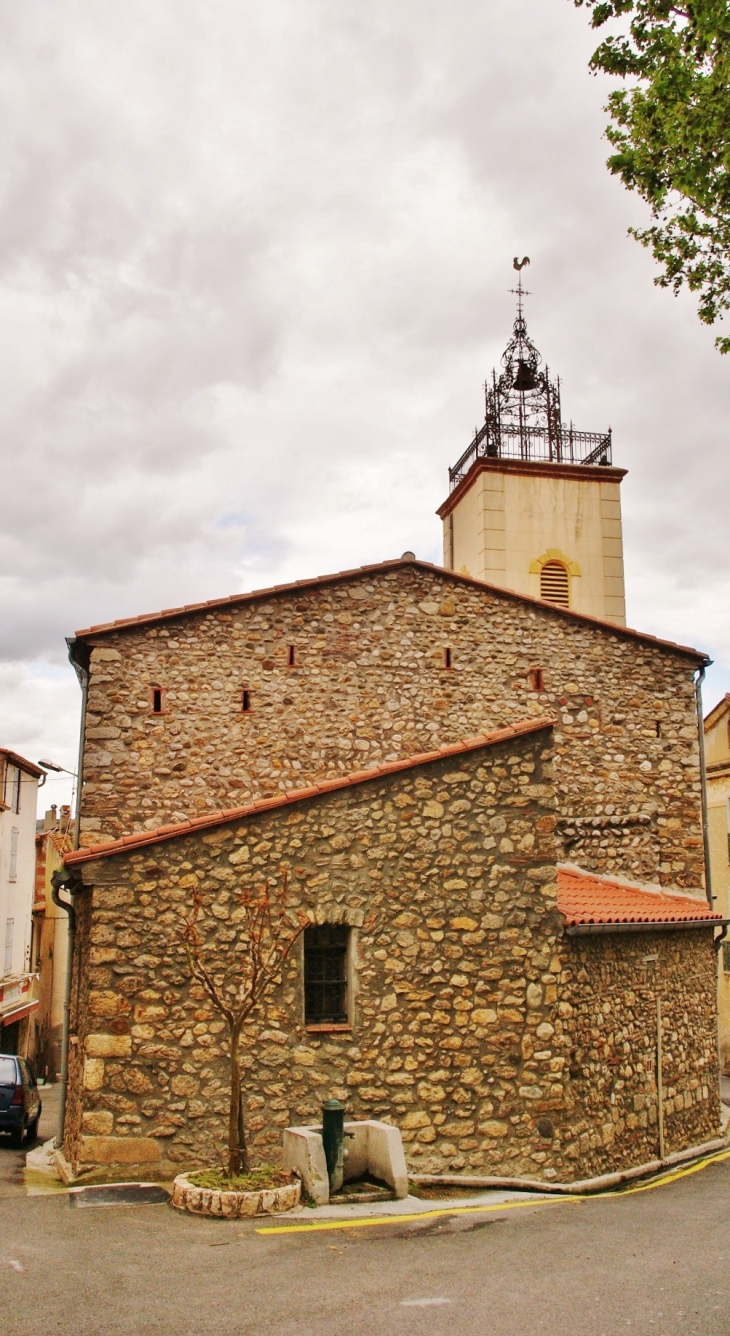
581, 618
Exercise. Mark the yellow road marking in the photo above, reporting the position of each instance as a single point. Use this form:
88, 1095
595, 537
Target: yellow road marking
362, 1222
369, 1221
671, 1177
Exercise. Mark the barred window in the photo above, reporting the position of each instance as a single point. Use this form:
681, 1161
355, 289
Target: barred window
325, 974
554, 584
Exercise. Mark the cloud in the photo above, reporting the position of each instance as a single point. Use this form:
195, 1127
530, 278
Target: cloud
254, 268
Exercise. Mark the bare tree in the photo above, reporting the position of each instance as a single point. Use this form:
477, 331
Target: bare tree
237, 977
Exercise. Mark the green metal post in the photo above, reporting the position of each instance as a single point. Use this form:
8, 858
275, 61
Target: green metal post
333, 1140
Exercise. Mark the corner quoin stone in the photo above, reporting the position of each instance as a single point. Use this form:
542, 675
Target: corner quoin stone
119, 1150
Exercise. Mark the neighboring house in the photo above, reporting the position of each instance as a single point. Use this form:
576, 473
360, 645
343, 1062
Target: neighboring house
717, 762
54, 840
200, 720
502, 1008
18, 990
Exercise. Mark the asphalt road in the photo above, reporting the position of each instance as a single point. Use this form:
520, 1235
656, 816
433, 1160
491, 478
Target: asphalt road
650, 1262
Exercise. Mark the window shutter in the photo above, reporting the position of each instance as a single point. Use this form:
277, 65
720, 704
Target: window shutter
13, 870
554, 586
8, 965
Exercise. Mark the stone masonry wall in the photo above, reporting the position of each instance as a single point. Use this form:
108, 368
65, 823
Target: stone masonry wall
369, 685
609, 990
460, 1034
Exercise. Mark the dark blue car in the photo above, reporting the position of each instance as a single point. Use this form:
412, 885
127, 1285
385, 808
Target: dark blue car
20, 1107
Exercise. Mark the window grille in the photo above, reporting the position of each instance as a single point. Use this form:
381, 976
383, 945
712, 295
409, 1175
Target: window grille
325, 974
554, 586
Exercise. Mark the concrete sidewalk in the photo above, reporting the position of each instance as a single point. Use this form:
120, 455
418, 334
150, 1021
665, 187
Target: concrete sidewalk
406, 1206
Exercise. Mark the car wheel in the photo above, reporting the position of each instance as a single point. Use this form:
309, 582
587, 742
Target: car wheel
32, 1133
17, 1137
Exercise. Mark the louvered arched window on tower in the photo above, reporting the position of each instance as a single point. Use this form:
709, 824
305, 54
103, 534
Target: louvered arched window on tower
554, 584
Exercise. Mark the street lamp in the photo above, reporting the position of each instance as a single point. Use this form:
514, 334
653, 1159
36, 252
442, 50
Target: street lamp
51, 765
61, 770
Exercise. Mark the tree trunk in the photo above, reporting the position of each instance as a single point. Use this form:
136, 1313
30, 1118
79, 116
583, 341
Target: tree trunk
237, 1153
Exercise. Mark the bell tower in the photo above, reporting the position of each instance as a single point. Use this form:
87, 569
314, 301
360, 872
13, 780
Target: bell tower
534, 506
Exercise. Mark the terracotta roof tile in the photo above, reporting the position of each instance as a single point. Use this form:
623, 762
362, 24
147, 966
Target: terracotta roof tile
380, 568
584, 898
15, 759
139, 839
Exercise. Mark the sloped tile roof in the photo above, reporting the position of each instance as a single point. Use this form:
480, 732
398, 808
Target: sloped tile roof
15, 759
584, 898
139, 839
716, 711
381, 568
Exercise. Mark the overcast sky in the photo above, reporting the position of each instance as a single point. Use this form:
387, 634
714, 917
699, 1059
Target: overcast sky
254, 268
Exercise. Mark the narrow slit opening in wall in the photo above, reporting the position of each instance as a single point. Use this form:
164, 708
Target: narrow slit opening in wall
536, 679
245, 700
658, 728
291, 656
447, 657
157, 700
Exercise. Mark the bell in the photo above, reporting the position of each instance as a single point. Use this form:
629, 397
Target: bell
525, 378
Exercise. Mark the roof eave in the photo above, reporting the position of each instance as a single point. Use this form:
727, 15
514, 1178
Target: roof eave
599, 929
78, 643
23, 764
541, 468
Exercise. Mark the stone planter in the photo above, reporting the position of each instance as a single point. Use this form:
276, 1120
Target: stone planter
186, 1196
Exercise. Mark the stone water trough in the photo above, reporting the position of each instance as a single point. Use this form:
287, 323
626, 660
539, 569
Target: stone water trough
372, 1150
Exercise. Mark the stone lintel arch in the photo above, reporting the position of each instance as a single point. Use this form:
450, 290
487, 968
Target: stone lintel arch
554, 554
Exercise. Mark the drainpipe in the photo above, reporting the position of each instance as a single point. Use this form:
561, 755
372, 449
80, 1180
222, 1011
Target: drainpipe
58, 880
706, 840
703, 783
78, 654
77, 657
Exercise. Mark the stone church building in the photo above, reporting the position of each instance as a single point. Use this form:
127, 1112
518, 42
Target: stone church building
485, 801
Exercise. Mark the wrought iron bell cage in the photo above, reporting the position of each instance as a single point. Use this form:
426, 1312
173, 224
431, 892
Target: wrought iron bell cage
523, 416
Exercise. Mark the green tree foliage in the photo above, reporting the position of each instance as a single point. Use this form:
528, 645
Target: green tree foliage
670, 129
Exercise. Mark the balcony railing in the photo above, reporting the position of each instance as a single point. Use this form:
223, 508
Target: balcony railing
512, 441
